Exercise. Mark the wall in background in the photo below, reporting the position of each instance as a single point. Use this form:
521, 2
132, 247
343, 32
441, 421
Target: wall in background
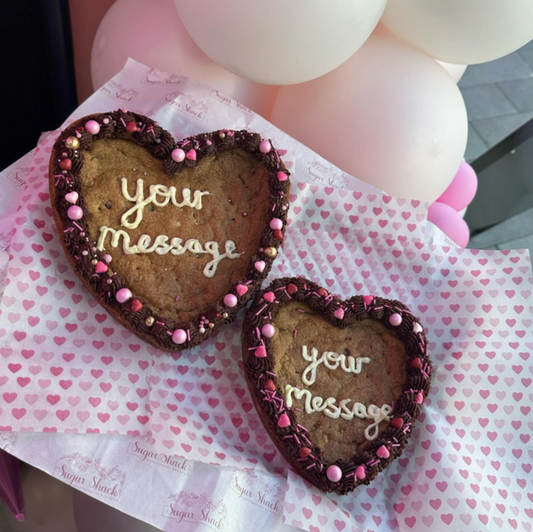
86, 17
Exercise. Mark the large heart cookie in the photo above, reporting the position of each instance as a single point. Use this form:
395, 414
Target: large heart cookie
172, 237
338, 384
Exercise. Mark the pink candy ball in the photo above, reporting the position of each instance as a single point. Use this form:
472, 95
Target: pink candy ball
230, 300
395, 319
334, 473
268, 330
462, 189
265, 146
178, 155
276, 223
123, 295
75, 212
448, 220
179, 336
93, 127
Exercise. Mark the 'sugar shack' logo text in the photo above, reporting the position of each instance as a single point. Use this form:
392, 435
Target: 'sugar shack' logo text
159, 77
226, 100
90, 475
180, 465
324, 174
187, 104
265, 492
189, 507
118, 92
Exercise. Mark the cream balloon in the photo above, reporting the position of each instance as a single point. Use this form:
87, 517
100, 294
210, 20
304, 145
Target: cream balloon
455, 71
462, 31
151, 32
390, 116
280, 42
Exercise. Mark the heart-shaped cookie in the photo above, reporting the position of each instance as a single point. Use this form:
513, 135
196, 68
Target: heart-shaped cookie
172, 237
337, 384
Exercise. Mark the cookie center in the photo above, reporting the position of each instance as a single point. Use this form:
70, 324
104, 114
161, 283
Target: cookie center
179, 241
341, 383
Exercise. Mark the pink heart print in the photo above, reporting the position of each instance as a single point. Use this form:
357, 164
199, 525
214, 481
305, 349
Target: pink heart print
67, 366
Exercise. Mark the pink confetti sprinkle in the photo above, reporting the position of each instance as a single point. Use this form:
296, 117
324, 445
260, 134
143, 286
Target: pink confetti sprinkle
123, 123
295, 333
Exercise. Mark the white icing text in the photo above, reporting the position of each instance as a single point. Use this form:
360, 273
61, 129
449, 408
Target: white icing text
162, 246
330, 409
167, 194
331, 360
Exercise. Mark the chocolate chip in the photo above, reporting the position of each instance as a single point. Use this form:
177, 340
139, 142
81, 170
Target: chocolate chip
108, 205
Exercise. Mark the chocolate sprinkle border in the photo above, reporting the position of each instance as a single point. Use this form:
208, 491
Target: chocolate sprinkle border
79, 245
271, 404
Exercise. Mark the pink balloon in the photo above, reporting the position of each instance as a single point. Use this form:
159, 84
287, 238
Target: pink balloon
449, 221
462, 189
152, 33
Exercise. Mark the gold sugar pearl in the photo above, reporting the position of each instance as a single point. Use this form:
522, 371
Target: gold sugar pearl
225, 315
72, 143
211, 325
271, 252
94, 262
150, 320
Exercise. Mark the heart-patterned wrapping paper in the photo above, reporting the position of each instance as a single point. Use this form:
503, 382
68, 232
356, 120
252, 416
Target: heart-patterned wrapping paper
468, 465
70, 366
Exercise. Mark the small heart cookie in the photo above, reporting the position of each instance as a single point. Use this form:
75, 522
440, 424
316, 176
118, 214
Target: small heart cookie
172, 237
337, 384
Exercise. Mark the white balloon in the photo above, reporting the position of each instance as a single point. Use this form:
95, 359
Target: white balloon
390, 116
150, 31
462, 31
463, 212
280, 42
455, 71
